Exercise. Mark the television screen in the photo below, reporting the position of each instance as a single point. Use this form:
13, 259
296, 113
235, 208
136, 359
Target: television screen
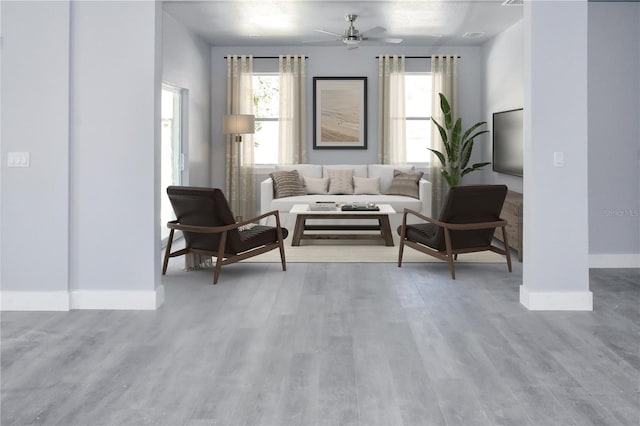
507, 142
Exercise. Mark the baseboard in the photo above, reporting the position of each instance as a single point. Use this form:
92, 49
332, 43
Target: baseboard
556, 300
34, 300
81, 299
631, 260
117, 299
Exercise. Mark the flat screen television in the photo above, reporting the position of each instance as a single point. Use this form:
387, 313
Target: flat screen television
507, 142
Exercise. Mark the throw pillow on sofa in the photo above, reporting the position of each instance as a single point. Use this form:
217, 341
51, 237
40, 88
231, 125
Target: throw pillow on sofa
405, 184
316, 185
366, 185
287, 184
340, 181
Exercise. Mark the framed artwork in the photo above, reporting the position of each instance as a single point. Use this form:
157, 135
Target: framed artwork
339, 112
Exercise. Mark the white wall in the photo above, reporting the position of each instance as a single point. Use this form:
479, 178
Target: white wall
614, 134
35, 117
338, 61
186, 64
503, 90
81, 225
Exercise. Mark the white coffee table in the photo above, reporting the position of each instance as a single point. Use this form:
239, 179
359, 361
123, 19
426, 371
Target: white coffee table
303, 214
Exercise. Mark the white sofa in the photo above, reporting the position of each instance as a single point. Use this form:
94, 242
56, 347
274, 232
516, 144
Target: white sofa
384, 172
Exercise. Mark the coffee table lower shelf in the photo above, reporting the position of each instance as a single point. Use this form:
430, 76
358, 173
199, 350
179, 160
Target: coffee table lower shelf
301, 227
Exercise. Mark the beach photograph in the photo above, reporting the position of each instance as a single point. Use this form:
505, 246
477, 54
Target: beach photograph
340, 113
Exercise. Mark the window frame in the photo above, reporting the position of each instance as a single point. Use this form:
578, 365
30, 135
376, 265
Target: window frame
427, 119
258, 119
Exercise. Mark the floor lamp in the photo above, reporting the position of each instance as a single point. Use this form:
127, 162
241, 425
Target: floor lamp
238, 125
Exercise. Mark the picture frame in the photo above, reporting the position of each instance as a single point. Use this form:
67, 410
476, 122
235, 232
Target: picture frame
339, 112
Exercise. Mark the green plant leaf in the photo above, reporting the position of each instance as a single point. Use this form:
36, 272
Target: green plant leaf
440, 156
466, 153
471, 129
455, 141
475, 166
446, 110
443, 132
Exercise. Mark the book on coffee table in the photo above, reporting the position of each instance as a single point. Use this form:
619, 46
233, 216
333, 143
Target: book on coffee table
366, 207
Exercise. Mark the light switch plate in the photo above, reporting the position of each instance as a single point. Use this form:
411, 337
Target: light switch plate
18, 159
558, 159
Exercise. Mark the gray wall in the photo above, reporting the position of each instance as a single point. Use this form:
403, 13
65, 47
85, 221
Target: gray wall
338, 61
186, 64
35, 117
503, 90
90, 120
614, 129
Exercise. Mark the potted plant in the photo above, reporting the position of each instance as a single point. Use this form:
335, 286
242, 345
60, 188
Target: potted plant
457, 146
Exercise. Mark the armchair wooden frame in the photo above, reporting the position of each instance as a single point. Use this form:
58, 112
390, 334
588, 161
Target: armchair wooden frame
223, 258
451, 254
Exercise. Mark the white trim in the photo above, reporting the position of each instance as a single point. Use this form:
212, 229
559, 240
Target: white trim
34, 300
630, 260
117, 299
556, 300
83, 299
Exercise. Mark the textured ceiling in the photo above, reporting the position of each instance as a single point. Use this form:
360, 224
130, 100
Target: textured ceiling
288, 23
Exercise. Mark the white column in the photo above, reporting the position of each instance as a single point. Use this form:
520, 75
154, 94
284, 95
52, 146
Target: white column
115, 97
555, 269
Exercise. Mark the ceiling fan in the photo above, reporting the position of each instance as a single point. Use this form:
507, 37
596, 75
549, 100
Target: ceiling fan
352, 37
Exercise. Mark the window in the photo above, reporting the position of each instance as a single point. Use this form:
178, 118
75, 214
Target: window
418, 113
171, 157
266, 102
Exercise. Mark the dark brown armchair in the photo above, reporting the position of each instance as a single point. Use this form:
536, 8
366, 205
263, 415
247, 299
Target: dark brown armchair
467, 223
209, 228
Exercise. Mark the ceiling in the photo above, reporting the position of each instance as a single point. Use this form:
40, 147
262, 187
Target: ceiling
289, 22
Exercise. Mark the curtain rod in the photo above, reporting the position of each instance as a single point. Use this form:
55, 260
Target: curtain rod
268, 57
419, 57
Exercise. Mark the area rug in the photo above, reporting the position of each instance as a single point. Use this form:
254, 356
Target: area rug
360, 251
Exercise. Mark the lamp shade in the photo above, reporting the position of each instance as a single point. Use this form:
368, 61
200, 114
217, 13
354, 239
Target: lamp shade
237, 124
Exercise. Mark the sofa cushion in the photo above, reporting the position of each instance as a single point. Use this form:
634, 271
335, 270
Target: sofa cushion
316, 185
310, 170
405, 184
359, 170
287, 184
366, 185
340, 181
385, 173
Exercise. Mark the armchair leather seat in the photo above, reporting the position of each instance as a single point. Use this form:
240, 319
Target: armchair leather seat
209, 228
466, 224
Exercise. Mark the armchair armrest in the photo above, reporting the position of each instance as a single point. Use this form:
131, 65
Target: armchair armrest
453, 226
174, 224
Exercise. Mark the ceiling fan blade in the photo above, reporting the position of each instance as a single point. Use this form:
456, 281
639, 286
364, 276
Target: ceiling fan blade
320, 41
386, 39
329, 32
373, 31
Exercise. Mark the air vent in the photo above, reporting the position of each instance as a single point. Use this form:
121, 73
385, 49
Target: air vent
513, 3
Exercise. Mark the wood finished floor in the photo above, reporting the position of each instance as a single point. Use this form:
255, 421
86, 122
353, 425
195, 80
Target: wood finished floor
331, 344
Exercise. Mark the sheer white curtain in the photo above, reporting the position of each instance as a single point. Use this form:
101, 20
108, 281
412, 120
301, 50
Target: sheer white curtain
292, 147
240, 170
444, 76
391, 110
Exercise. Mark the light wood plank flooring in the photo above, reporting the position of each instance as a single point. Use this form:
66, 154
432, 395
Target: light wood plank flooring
331, 344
